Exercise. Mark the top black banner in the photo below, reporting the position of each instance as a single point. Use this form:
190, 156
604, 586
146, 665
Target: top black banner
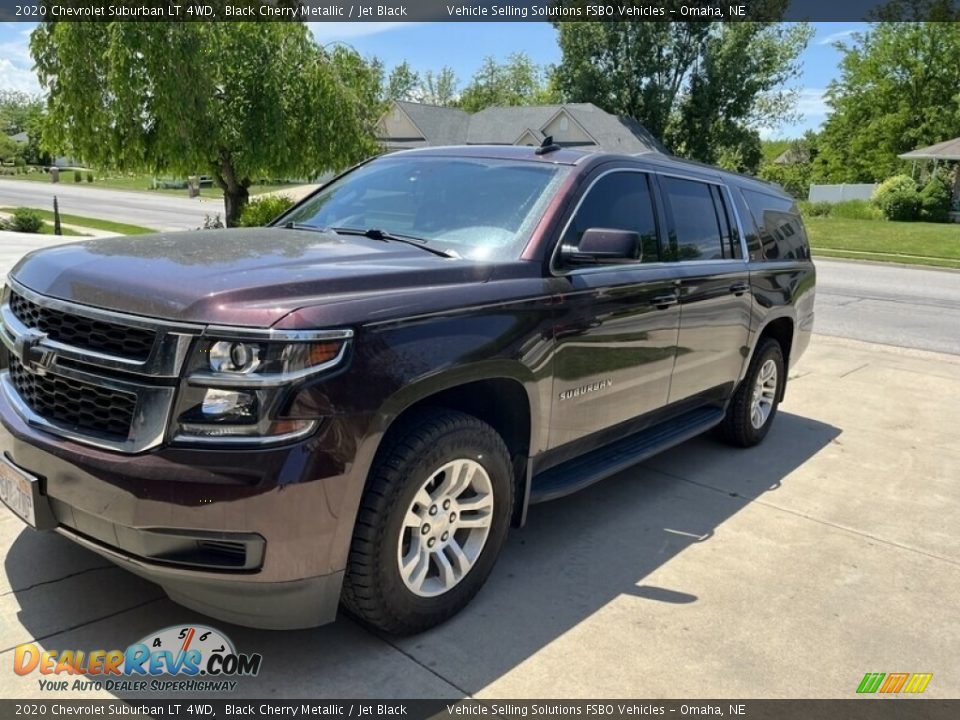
477, 10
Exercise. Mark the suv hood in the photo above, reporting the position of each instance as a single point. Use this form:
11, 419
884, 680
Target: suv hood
250, 276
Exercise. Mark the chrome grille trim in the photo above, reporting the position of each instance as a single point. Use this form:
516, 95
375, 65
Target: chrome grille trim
165, 360
159, 370
149, 420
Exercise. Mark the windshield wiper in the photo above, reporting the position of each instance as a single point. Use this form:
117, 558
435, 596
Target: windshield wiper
378, 234
304, 226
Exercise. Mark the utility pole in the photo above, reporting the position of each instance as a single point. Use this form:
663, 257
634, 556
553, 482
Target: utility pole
56, 217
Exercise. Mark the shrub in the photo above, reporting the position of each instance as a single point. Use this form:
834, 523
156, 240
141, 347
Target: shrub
263, 210
856, 210
935, 199
815, 209
25, 220
89, 177
898, 198
77, 176
212, 223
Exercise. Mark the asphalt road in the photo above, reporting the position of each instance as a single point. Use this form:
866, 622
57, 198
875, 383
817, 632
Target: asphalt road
153, 210
889, 304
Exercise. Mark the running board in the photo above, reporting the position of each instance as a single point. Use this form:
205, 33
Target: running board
610, 459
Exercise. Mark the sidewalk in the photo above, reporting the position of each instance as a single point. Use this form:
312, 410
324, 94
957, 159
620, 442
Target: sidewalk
14, 246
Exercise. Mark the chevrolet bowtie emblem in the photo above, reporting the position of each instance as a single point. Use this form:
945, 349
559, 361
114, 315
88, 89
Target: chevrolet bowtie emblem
33, 356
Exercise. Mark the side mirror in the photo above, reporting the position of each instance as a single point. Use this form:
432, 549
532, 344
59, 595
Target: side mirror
603, 245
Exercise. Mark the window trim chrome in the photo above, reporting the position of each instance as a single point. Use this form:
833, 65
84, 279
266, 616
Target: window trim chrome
740, 263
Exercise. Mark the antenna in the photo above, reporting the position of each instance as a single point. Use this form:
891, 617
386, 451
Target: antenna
547, 146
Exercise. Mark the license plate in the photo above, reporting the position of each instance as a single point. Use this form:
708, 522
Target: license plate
17, 491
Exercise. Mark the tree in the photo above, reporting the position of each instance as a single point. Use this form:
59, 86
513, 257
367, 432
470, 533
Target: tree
238, 101
899, 89
21, 112
403, 83
518, 81
704, 88
440, 88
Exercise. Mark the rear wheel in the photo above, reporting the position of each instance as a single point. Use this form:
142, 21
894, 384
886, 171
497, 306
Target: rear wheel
431, 523
754, 405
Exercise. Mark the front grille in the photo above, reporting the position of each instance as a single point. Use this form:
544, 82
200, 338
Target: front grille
82, 332
81, 406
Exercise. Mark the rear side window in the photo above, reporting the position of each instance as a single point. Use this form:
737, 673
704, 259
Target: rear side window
701, 225
782, 235
618, 201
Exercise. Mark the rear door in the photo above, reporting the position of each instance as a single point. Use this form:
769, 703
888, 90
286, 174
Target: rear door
617, 324
715, 300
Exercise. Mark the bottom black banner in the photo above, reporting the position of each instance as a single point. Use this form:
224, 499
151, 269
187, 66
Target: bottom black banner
852, 709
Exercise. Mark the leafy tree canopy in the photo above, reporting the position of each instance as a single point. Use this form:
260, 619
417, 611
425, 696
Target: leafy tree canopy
704, 88
430, 88
517, 81
239, 101
899, 89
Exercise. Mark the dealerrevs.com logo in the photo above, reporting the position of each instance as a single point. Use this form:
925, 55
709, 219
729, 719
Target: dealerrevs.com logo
199, 658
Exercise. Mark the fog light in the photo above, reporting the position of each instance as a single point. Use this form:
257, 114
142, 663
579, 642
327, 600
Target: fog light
223, 404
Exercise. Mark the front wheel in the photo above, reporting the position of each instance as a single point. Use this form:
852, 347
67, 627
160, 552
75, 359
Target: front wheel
431, 523
754, 404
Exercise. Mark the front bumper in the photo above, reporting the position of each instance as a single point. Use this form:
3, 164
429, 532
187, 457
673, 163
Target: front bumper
254, 537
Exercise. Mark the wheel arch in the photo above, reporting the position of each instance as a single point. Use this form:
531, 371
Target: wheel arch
504, 400
782, 329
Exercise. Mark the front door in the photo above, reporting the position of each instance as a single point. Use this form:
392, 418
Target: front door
617, 324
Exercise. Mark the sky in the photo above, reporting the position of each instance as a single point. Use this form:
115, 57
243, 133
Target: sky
463, 46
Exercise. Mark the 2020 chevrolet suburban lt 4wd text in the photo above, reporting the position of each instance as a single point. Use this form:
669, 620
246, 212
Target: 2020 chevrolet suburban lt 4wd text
356, 403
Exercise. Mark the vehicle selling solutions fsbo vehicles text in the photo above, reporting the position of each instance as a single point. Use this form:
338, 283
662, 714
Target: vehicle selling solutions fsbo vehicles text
553, 12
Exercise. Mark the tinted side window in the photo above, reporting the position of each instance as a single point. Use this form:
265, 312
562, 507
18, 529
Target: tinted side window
782, 236
618, 201
696, 220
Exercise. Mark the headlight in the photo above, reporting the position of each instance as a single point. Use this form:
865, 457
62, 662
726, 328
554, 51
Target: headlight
234, 387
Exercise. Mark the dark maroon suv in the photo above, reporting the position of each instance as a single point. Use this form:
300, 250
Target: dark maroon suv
354, 404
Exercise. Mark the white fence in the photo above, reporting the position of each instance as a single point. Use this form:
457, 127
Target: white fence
841, 193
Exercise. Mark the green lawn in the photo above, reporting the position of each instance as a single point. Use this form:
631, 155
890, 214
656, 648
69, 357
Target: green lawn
93, 223
47, 229
914, 243
139, 183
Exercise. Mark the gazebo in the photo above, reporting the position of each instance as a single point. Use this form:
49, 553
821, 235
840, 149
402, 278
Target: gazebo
947, 151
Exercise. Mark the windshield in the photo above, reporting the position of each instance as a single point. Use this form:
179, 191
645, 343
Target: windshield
478, 208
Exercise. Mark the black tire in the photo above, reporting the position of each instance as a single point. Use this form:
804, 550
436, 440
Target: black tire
373, 589
737, 427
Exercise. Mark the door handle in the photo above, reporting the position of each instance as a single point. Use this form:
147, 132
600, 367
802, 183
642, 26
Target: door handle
662, 302
739, 289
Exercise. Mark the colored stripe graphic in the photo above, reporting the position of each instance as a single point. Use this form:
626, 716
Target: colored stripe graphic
870, 682
894, 682
918, 682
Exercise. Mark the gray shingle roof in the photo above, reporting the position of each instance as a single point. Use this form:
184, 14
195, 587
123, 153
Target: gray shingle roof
439, 125
504, 125
947, 150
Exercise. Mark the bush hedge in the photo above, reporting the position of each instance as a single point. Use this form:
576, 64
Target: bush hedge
25, 220
848, 210
262, 211
898, 198
935, 199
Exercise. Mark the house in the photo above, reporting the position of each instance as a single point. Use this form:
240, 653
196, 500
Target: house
577, 125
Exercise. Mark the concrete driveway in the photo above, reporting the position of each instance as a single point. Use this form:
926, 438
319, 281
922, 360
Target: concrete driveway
788, 570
